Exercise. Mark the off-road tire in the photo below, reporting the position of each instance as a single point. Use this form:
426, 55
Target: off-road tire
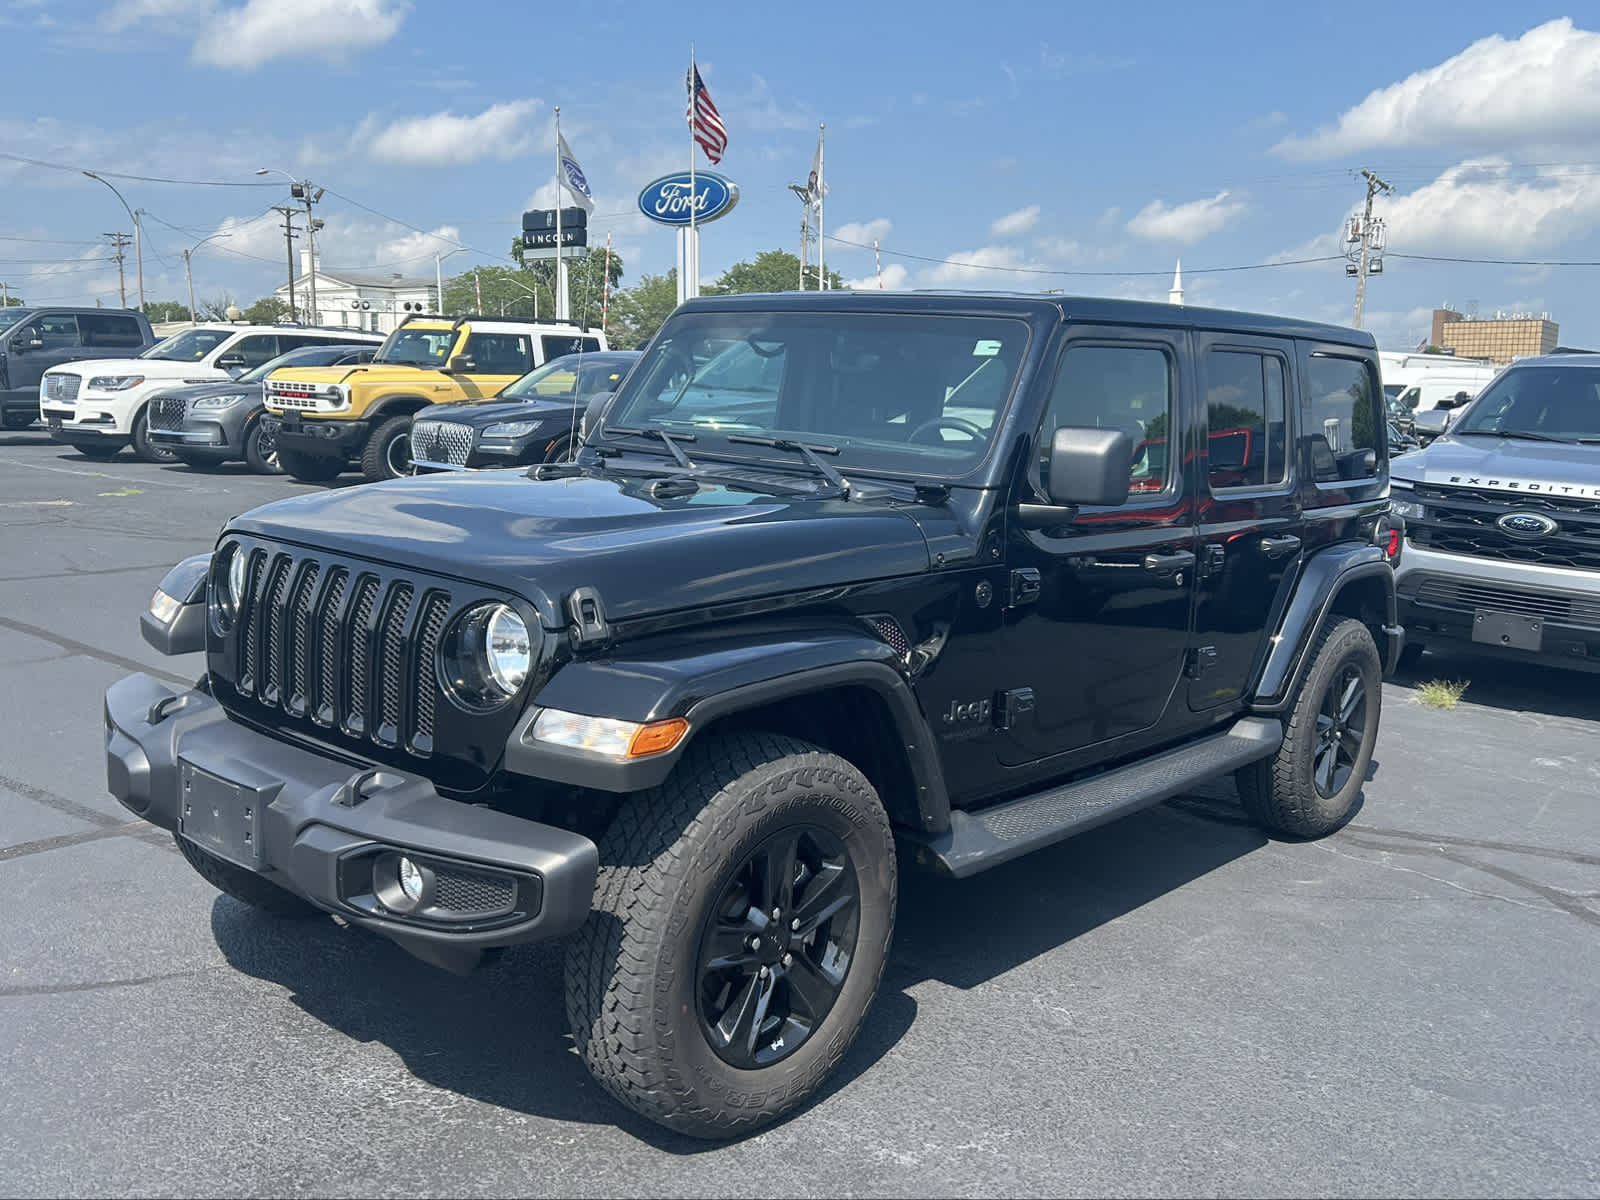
376, 456
1280, 793
259, 460
243, 885
309, 468
634, 970
143, 446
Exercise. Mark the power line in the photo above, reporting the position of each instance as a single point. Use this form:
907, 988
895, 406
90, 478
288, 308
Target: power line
54, 166
1163, 274
1498, 262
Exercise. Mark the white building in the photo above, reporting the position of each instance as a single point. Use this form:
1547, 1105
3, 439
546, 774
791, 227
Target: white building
359, 301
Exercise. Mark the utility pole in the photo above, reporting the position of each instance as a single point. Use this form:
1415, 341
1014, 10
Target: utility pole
799, 189
1364, 243
119, 242
304, 191
288, 243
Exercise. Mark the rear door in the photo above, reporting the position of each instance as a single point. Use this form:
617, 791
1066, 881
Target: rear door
501, 359
1100, 642
1248, 510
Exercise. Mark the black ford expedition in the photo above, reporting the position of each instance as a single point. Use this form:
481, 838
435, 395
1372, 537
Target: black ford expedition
971, 572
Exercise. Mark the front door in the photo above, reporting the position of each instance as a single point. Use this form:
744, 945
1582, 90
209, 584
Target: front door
62, 344
1102, 644
1249, 511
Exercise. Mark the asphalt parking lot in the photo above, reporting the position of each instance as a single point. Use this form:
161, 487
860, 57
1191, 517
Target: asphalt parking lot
1170, 1005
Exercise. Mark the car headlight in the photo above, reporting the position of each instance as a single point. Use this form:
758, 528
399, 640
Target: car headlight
486, 655
230, 574
512, 429
115, 383
607, 736
337, 395
227, 401
1404, 504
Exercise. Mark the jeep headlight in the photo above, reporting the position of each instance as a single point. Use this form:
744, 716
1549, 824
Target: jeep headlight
486, 656
115, 383
512, 429
230, 576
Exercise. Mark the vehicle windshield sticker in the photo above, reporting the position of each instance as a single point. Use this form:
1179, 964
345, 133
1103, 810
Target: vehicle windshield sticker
986, 348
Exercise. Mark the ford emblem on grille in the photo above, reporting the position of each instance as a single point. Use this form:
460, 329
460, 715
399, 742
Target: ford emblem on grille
1527, 525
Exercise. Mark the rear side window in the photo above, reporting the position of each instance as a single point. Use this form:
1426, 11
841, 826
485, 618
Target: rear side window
254, 350
107, 329
1244, 409
555, 346
500, 353
1342, 418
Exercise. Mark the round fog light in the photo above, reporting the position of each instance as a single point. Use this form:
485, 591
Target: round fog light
411, 880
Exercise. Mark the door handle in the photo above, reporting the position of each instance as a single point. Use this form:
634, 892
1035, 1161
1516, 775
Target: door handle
1168, 564
1277, 547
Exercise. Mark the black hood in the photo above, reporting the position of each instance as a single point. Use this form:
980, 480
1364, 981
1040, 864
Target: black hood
481, 416
645, 555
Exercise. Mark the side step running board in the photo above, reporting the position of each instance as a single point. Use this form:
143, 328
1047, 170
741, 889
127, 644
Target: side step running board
979, 840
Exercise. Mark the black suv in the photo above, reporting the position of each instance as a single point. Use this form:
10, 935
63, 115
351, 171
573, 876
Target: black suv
831, 570
32, 340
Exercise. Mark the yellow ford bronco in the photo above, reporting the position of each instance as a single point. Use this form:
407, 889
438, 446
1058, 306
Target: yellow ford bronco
328, 417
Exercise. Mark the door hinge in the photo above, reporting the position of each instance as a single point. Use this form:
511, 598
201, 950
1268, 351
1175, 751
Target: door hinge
1199, 660
1010, 708
1025, 584
1212, 559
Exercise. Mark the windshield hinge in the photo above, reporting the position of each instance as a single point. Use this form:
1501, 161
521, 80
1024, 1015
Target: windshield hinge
589, 627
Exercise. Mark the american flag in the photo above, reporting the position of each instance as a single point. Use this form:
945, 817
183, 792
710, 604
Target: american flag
704, 119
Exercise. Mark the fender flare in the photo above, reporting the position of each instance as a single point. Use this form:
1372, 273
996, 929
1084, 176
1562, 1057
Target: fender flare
713, 679
384, 407
1322, 579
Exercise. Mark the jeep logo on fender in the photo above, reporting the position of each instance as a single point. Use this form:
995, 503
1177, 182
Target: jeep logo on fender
1527, 525
666, 200
973, 710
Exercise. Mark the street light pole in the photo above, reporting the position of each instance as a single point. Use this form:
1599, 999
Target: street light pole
133, 215
189, 275
438, 274
301, 189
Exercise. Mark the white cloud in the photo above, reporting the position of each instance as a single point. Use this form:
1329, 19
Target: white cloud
1017, 222
1060, 248
261, 30
1187, 223
862, 233
1482, 207
895, 278
130, 14
990, 265
447, 140
1542, 89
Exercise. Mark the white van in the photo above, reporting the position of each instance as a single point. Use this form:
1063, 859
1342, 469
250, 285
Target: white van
1435, 386
1402, 371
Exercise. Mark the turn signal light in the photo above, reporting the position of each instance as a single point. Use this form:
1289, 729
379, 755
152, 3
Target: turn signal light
657, 737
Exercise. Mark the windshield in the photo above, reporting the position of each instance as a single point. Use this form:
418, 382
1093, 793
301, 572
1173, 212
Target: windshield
1560, 402
417, 347
189, 346
320, 356
10, 316
568, 377
904, 393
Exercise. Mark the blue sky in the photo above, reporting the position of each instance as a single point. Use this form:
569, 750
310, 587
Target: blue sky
1002, 145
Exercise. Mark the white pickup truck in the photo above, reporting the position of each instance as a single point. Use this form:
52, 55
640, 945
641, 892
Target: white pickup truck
98, 405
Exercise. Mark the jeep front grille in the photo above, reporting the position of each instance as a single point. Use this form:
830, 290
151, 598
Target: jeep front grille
342, 648
62, 387
441, 442
1462, 521
167, 412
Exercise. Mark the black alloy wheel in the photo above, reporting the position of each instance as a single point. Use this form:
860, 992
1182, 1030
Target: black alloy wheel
777, 947
1341, 730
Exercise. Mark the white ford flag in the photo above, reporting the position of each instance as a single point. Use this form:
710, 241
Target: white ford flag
572, 175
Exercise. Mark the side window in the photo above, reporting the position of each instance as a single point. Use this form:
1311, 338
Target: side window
500, 353
1342, 418
555, 346
295, 341
1412, 396
1247, 442
255, 350
107, 329
57, 331
1116, 387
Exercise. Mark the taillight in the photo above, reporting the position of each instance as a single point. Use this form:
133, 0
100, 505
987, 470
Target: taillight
1393, 549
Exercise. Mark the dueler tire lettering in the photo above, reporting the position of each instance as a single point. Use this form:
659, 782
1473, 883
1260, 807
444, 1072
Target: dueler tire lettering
636, 971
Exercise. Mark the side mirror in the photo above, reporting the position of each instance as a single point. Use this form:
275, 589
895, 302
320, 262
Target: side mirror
1432, 424
461, 364
1089, 466
30, 342
592, 413
231, 362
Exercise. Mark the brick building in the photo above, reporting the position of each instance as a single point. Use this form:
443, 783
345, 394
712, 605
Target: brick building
1499, 340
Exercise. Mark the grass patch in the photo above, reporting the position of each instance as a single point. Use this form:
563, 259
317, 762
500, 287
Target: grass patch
1442, 693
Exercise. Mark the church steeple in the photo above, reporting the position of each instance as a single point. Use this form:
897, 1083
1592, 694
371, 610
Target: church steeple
1175, 296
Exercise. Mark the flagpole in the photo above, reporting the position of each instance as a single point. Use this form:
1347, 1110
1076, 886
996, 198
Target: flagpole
561, 279
605, 285
691, 265
822, 193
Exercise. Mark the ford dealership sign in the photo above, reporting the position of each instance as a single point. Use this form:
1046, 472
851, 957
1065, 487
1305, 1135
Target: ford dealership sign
667, 199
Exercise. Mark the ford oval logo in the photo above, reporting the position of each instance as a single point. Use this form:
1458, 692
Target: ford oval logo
667, 199
1527, 525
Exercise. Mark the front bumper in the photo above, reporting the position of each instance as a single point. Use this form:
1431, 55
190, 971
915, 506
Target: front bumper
1456, 598
320, 828
322, 437
217, 433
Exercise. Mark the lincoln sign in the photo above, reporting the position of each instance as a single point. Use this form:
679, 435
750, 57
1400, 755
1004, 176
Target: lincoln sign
667, 199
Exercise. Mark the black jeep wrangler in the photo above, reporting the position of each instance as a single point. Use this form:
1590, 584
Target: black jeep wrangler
831, 571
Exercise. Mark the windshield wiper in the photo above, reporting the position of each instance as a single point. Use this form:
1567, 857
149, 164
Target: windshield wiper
669, 440
1511, 433
809, 451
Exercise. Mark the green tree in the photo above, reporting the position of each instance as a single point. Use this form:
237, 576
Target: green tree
1432, 349
216, 308
268, 310
166, 310
12, 301
528, 290
637, 312
771, 271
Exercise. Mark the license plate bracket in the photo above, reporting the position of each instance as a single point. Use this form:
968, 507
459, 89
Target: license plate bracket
222, 816
1515, 631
